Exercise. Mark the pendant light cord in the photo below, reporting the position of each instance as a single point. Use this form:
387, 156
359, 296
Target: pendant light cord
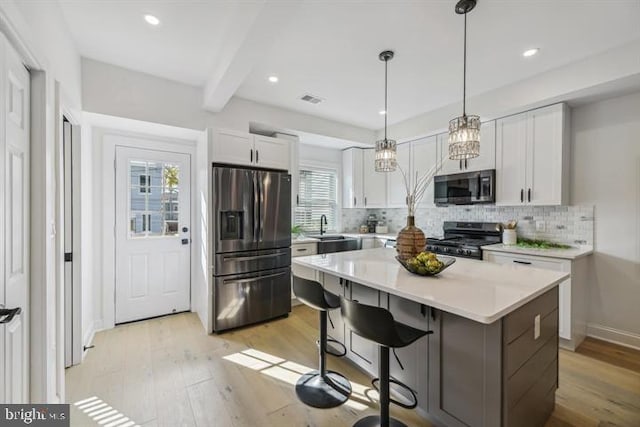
464, 70
386, 112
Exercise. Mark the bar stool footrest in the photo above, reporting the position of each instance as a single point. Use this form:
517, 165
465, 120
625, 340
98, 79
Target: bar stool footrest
331, 351
413, 401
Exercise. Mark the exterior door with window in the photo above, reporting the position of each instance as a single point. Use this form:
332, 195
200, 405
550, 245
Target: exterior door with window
152, 233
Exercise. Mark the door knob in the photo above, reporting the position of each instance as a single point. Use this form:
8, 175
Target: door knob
185, 229
9, 314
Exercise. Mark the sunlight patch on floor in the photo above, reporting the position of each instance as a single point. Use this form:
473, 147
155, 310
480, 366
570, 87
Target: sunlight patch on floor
103, 414
290, 372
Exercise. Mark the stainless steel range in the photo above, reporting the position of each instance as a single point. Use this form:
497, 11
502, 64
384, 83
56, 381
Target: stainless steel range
464, 239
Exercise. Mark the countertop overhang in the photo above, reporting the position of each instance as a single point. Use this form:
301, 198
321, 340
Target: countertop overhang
477, 290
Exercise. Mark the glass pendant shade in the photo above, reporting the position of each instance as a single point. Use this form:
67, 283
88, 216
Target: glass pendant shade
464, 137
386, 156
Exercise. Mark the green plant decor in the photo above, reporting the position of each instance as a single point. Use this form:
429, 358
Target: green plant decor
540, 244
296, 230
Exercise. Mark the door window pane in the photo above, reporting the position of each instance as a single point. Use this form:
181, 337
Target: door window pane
154, 189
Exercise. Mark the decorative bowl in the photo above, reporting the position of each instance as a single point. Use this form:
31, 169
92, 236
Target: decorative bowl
446, 262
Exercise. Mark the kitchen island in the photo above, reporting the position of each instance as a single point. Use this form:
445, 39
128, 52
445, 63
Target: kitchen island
492, 359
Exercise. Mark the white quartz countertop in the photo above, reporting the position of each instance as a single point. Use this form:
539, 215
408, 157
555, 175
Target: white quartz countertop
302, 239
572, 253
477, 290
371, 235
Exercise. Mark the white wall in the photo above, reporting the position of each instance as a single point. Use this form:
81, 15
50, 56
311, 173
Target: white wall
606, 173
316, 154
116, 91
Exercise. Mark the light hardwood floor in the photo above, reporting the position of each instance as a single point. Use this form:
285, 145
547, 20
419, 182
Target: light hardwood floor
168, 372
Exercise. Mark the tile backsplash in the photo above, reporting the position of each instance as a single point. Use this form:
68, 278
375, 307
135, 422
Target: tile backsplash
561, 224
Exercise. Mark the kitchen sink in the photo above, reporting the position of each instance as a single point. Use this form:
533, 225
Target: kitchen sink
336, 243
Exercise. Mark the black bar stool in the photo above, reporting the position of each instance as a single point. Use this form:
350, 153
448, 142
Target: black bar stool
377, 324
321, 388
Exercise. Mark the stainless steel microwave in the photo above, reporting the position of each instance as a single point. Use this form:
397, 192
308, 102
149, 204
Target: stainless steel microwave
466, 188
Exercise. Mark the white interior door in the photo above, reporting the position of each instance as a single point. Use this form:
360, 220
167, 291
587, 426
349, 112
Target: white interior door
14, 246
152, 233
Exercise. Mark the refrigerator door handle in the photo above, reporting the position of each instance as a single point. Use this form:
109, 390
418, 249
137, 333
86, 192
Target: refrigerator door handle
260, 208
254, 279
252, 257
256, 209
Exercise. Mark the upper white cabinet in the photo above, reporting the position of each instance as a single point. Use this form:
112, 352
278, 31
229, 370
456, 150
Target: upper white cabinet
271, 152
486, 159
424, 158
395, 181
233, 147
352, 176
532, 155
374, 183
241, 148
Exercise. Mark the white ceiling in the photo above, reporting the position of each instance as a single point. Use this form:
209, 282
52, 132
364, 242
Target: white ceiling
330, 49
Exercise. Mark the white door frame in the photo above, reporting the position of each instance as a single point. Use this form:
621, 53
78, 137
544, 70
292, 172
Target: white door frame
76, 304
133, 140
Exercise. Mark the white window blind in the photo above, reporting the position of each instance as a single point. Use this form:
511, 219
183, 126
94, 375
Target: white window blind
317, 196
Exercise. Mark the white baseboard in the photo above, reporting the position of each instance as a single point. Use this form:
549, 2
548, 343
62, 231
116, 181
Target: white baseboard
615, 336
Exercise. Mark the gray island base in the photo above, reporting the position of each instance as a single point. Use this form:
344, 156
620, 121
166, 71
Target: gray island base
492, 359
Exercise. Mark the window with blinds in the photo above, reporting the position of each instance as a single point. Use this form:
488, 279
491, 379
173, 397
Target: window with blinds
317, 196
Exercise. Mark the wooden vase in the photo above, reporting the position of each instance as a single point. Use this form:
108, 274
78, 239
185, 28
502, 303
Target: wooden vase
410, 241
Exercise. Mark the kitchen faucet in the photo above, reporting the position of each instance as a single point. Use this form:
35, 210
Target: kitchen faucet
323, 218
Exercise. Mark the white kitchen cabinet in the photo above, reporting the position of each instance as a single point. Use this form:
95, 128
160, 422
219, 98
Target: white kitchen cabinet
352, 178
272, 153
532, 155
241, 148
409, 364
299, 249
335, 324
362, 351
374, 183
396, 190
486, 159
232, 147
571, 296
424, 158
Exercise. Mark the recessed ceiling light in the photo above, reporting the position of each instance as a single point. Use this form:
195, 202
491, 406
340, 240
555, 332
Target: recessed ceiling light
151, 20
382, 112
273, 79
530, 52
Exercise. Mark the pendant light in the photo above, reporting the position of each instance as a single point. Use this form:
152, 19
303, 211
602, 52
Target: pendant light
385, 159
464, 131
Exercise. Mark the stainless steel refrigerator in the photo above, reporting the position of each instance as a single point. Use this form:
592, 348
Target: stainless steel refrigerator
251, 245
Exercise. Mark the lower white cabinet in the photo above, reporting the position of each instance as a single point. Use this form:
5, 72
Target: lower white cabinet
297, 250
409, 364
572, 292
360, 350
335, 324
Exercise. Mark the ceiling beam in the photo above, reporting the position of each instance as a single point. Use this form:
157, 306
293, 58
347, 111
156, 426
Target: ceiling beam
249, 36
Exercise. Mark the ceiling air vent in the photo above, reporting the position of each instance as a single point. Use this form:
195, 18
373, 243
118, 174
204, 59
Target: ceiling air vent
310, 98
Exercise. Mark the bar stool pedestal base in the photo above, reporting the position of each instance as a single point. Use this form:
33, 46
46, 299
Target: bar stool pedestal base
323, 392
375, 421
